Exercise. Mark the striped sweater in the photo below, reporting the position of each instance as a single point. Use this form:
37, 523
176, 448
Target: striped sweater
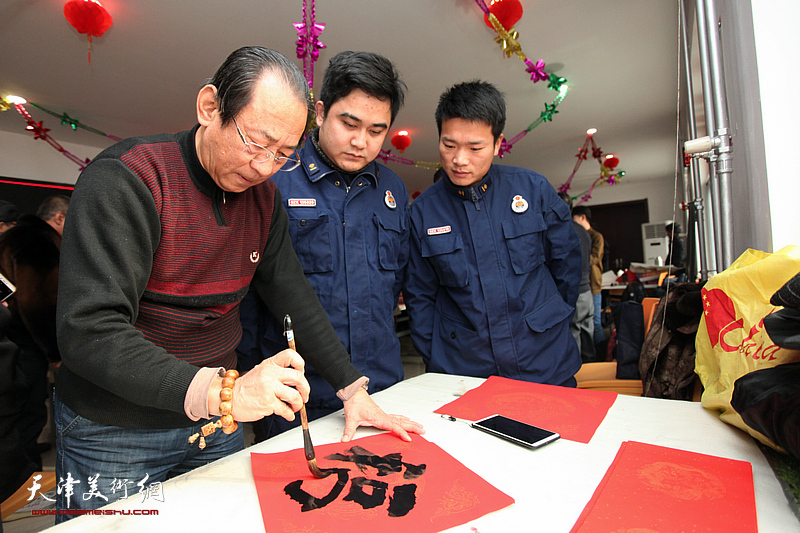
155, 260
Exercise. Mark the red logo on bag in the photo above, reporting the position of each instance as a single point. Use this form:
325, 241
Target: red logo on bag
721, 320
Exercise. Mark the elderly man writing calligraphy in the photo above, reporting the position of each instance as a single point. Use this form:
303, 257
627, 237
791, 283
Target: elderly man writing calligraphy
163, 238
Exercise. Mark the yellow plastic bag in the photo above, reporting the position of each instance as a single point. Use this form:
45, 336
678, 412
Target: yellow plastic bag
731, 340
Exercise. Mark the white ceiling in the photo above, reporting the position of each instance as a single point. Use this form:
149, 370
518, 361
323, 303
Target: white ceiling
620, 58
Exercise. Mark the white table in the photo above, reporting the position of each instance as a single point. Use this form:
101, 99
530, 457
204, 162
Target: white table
557, 482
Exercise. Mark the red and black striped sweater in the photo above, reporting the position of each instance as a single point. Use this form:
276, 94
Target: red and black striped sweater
154, 262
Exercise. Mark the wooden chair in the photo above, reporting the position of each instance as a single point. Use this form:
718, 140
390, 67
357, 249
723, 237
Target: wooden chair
19, 499
603, 376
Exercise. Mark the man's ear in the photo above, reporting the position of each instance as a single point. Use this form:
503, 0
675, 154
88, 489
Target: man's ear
207, 107
319, 107
497, 144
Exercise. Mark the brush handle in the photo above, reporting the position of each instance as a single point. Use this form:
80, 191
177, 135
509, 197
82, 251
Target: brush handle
307, 444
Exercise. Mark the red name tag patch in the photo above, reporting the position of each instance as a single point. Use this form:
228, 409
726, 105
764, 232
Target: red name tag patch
302, 202
437, 231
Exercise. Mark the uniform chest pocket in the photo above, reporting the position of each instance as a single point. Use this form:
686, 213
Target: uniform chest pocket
446, 254
311, 237
389, 231
524, 237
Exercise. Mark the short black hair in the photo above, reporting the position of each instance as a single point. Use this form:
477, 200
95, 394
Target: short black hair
8, 211
52, 205
566, 197
370, 72
475, 101
579, 210
243, 68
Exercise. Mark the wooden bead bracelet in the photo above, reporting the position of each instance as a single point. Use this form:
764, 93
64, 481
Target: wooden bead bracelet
226, 421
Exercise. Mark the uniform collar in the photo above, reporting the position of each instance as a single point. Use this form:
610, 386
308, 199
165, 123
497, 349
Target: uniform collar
317, 165
473, 192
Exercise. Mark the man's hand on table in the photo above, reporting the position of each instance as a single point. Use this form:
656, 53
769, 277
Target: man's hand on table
361, 410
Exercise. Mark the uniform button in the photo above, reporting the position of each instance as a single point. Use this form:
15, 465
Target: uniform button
302, 222
336, 183
360, 183
453, 335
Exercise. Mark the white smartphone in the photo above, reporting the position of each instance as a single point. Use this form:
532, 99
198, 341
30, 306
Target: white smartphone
6, 288
516, 431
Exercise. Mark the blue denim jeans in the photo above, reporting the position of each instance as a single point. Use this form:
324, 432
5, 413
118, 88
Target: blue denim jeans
98, 464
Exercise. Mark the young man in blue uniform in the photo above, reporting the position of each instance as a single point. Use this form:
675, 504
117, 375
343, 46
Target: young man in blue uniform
495, 264
348, 224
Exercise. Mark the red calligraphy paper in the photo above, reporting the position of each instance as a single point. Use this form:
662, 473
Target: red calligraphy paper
573, 413
653, 488
381, 483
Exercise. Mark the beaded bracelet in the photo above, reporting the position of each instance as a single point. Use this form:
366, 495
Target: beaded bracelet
226, 421
229, 425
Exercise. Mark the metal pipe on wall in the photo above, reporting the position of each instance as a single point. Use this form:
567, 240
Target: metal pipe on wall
705, 77
697, 207
721, 161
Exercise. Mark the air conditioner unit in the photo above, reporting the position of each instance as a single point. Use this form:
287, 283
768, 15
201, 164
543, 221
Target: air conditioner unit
655, 242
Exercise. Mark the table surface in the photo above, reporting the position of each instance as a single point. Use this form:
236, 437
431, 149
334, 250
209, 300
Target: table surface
558, 481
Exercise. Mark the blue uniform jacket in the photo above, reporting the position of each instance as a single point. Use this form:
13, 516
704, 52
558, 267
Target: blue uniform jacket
353, 245
493, 278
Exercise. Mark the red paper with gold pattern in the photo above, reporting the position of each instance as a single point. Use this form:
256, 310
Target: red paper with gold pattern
575, 414
651, 488
383, 483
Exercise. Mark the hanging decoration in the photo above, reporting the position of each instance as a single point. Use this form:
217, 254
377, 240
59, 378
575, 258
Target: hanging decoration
607, 165
499, 15
507, 12
40, 132
89, 17
401, 140
74, 123
308, 43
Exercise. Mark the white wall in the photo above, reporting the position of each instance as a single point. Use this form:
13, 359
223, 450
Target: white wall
659, 194
26, 158
777, 40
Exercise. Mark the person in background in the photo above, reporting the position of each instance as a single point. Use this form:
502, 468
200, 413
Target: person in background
348, 220
53, 210
16, 464
495, 264
8, 215
583, 216
164, 236
676, 254
29, 258
583, 322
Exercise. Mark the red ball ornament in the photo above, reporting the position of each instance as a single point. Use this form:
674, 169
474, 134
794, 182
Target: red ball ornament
89, 17
611, 162
508, 13
401, 141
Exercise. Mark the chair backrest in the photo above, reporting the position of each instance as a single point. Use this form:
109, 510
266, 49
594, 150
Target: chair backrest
602, 376
46, 481
649, 309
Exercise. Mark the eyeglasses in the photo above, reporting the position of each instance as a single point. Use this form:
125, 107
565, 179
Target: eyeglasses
260, 154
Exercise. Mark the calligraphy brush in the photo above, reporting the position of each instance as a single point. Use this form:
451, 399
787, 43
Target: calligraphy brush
307, 444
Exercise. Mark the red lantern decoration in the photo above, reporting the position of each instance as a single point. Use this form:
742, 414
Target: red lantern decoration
401, 141
611, 162
89, 17
508, 13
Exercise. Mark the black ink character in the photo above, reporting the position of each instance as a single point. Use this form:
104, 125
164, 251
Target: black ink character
403, 497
